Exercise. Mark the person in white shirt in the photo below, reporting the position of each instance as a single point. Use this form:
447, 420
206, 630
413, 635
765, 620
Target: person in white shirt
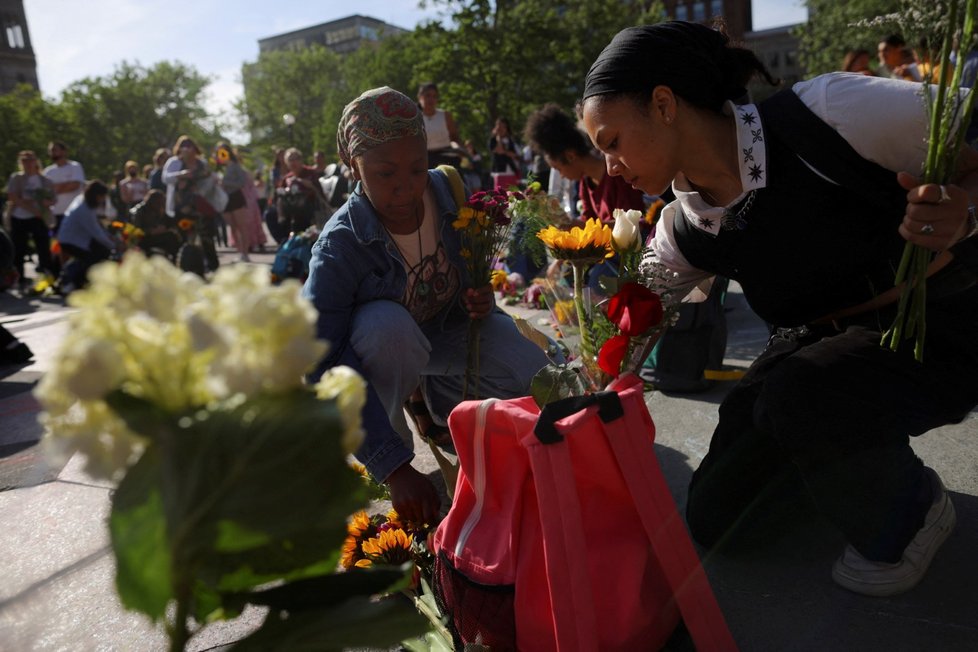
442, 134
807, 199
68, 178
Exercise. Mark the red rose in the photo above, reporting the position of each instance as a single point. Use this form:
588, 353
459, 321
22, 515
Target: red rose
634, 309
612, 353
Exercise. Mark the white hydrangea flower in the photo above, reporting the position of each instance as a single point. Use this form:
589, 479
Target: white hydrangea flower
349, 390
172, 339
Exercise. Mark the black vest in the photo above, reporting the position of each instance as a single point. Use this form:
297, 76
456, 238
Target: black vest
810, 247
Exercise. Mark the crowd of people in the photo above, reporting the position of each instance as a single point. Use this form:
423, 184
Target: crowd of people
66, 222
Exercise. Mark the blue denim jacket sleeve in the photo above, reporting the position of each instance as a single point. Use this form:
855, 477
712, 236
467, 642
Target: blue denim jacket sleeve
332, 287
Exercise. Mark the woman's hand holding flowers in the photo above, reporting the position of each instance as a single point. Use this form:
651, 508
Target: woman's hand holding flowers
935, 218
479, 302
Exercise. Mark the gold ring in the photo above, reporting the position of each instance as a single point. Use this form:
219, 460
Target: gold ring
927, 229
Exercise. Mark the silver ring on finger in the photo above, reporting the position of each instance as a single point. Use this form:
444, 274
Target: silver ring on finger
944, 196
927, 229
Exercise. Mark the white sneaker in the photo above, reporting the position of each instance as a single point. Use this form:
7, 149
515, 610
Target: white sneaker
860, 575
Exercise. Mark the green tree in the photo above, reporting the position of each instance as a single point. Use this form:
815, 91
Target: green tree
299, 82
489, 58
507, 57
134, 111
831, 31
28, 121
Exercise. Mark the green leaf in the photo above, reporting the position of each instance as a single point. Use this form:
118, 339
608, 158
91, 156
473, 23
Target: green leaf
329, 590
357, 622
138, 532
555, 382
140, 415
259, 492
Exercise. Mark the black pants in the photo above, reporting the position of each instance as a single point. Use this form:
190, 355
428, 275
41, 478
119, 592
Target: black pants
75, 272
35, 229
837, 410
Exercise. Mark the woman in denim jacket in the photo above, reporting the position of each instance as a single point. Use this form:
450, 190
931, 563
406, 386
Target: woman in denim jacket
394, 299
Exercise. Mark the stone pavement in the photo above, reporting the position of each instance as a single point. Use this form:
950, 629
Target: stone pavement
56, 591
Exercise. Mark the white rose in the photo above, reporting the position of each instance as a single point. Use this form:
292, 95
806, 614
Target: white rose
626, 234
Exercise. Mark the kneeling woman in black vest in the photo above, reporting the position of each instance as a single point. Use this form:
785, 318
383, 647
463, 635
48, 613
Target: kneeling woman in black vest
807, 200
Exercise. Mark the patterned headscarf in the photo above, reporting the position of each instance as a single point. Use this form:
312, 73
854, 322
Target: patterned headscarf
378, 116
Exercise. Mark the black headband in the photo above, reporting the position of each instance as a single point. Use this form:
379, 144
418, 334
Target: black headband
691, 59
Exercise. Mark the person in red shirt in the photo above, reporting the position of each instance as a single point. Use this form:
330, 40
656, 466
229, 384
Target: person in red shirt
300, 194
554, 133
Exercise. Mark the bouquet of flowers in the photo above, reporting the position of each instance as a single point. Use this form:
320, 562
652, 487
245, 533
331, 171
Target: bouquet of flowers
949, 114
232, 474
608, 332
483, 226
129, 233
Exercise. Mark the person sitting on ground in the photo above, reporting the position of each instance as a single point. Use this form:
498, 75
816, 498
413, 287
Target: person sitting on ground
159, 231
299, 197
83, 237
555, 134
394, 300
566, 148
806, 201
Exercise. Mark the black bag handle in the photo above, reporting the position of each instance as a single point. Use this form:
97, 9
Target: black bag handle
609, 409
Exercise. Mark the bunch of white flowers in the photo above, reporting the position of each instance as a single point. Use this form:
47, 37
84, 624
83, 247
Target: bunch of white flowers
169, 338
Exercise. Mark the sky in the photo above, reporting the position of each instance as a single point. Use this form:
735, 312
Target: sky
74, 39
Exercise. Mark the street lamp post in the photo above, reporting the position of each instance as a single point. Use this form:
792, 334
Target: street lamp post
289, 121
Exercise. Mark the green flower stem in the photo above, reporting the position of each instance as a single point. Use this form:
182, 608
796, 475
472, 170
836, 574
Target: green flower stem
179, 635
471, 380
588, 352
942, 150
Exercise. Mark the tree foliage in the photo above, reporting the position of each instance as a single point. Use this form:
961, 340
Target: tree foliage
490, 58
134, 111
832, 30
28, 121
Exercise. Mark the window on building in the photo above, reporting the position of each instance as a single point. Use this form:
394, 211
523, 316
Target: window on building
773, 60
716, 7
699, 10
368, 33
15, 36
681, 12
789, 58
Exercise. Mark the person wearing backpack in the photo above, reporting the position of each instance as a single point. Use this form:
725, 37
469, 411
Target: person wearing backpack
807, 200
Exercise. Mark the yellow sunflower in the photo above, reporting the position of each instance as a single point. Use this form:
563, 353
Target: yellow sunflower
499, 279
361, 526
591, 243
389, 547
350, 553
395, 519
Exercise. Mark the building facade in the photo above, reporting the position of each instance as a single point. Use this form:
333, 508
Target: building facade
17, 63
736, 13
777, 48
341, 36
